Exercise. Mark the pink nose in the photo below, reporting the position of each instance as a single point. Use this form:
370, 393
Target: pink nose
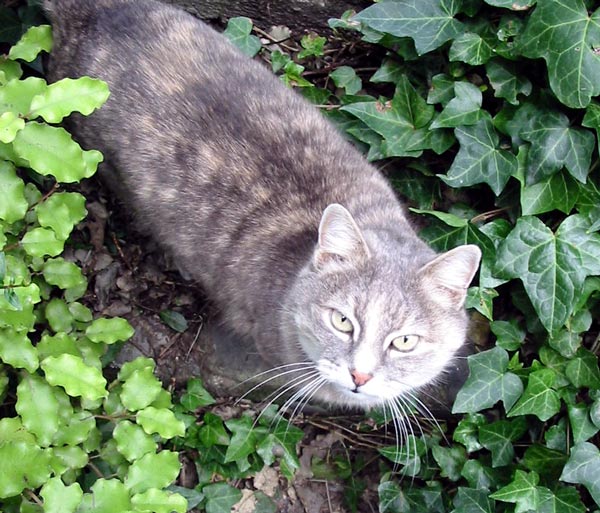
360, 378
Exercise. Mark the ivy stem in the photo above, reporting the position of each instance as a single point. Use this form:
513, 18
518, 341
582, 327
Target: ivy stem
35, 498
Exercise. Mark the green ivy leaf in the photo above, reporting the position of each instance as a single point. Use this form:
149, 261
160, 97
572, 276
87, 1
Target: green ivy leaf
77, 378
581, 424
429, 24
35, 40
61, 212
556, 192
583, 468
281, 441
38, 407
400, 121
109, 331
196, 396
470, 48
538, 398
221, 497
463, 109
153, 471
51, 151
159, 501
488, 383
140, 390
174, 320
522, 491
83, 95
583, 370
213, 431
479, 160
564, 500
498, 438
554, 145
243, 441
566, 37
450, 460
346, 78
10, 124
59, 498
471, 500
545, 461
507, 81
552, 266
13, 204
16, 350
467, 431
161, 421
238, 31
22, 465
312, 46
509, 335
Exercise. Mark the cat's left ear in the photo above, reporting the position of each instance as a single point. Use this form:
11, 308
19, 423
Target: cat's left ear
340, 238
448, 276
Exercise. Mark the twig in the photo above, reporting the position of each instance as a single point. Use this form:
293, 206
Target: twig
195, 339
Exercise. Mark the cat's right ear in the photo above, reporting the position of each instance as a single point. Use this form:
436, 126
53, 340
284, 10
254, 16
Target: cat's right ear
340, 238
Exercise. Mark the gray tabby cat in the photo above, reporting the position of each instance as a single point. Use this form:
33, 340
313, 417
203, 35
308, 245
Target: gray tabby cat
298, 241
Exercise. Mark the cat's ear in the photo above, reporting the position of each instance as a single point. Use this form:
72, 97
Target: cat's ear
447, 277
340, 238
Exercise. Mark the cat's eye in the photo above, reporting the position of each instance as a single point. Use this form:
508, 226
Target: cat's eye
405, 343
340, 322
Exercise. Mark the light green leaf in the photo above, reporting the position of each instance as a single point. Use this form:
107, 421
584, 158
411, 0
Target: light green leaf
58, 316
59, 498
9, 69
77, 378
63, 274
463, 109
429, 24
22, 465
10, 124
566, 36
488, 383
83, 95
39, 242
583, 468
140, 389
38, 407
238, 31
16, 95
13, 204
68, 458
538, 398
132, 441
109, 331
159, 501
61, 212
507, 81
51, 151
153, 471
32, 43
16, 350
109, 496
470, 48
161, 421
479, 160
552, 266
221, 497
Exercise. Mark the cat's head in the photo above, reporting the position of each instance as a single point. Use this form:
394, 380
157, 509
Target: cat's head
378, 313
